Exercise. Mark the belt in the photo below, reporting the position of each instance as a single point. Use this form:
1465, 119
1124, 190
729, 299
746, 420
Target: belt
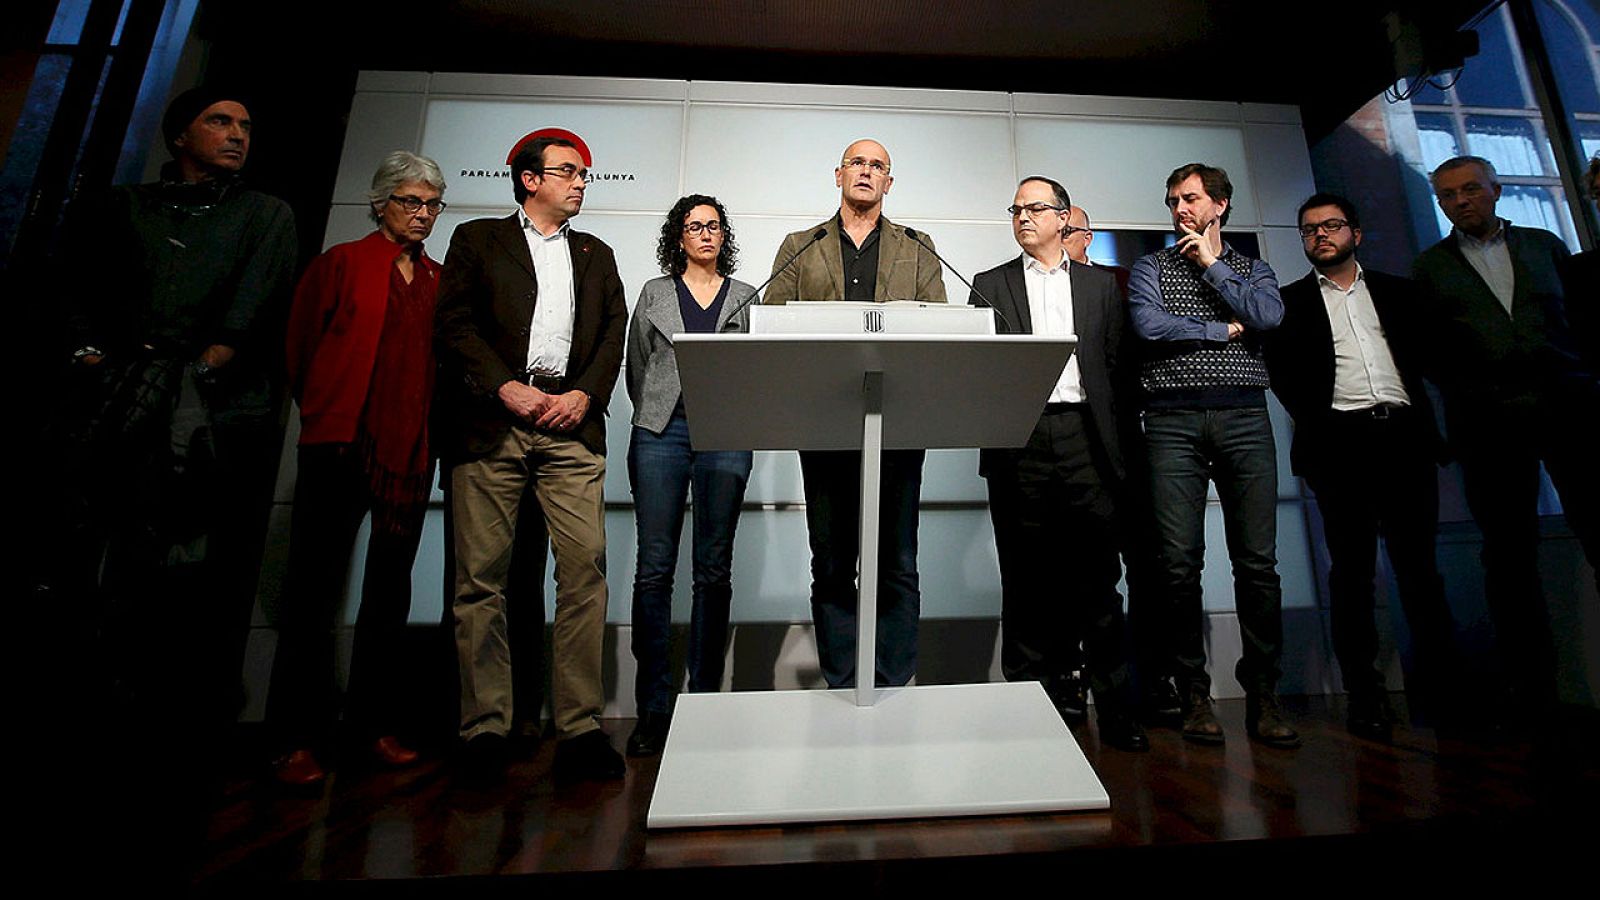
1379, 413
550, 384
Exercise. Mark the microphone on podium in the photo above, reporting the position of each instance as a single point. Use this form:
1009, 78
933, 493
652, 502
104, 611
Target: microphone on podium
916, 235
818, 235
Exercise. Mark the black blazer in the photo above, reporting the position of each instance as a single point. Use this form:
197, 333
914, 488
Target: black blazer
1097, 317
487, 294
1483, 359
1300, 362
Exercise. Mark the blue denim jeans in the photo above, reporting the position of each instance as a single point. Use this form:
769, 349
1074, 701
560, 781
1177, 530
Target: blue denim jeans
662, 469
1234, 448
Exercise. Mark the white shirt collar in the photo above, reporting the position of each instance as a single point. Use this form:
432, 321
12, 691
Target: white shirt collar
527, 225
1499, 236
1329, 282
1034, 265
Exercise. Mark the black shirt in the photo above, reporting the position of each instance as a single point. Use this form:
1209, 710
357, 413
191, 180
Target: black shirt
860, 264
695, 319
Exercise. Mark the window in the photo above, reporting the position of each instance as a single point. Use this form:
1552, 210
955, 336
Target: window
1491, 111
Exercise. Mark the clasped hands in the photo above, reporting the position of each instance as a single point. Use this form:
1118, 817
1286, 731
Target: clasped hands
552, 412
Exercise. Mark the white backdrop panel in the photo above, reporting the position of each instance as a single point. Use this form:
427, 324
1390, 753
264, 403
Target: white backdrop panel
1282, 165
1117, 170
973, 247
782, 160
348, 223
642, 139
387, 122
1283, 250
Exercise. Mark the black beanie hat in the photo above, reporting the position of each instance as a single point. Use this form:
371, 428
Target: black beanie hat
188, 106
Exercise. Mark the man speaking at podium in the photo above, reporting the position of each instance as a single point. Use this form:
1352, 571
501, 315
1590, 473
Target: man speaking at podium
860, 256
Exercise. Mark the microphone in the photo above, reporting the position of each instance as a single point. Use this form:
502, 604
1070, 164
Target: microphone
818, 235
916, 235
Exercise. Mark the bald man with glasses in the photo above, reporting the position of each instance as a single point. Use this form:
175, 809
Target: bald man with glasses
860, 256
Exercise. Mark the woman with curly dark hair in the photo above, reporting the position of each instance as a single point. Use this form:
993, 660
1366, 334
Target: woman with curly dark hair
697, 254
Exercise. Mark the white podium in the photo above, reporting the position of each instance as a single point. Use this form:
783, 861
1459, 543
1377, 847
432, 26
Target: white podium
879, 381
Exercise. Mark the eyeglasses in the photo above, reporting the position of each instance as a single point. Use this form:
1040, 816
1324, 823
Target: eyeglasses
708, 227
878, 166
416, 204
1070, 230
1034, 210
1331, 226
567, 171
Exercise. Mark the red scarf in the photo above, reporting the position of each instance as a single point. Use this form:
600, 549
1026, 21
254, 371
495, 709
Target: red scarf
392, 434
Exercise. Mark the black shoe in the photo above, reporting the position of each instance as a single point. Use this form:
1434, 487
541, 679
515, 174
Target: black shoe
1200, 723
1123, 732
1161, 701
588, 757
1264, 722
1370, 717
1071, 699
483, 758
650, 734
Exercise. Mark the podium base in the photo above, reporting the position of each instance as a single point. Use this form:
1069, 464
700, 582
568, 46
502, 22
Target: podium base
815, 756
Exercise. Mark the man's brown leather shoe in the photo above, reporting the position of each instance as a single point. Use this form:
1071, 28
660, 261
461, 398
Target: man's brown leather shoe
297, 769
389, 751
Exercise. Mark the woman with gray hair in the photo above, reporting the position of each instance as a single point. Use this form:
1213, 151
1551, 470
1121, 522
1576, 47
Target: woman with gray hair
360, 360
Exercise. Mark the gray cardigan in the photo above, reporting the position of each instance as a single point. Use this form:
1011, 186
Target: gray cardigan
652, 365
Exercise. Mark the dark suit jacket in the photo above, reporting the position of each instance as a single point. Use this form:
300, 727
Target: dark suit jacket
1301, 365
1097, 317
487, 294
1483, 359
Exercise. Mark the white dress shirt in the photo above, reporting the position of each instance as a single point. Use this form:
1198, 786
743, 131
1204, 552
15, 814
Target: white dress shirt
1050, 306
550, 332
1491, 259
1364, 372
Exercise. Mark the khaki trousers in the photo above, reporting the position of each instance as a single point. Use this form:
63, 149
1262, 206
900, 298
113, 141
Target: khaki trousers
568, 480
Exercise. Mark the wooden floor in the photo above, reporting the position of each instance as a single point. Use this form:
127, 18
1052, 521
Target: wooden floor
1338, 804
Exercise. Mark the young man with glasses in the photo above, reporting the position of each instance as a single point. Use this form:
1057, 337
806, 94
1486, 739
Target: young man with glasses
1345, 363
860, 256
530, 334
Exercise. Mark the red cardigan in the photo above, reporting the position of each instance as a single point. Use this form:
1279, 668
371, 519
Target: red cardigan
333, 333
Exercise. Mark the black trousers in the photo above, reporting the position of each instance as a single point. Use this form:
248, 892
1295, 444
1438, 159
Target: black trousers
832, 482
1057, 537
1375, 476
331, 498
1500, 468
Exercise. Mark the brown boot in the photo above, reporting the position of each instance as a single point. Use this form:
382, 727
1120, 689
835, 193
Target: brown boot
1264, 722
1200, 723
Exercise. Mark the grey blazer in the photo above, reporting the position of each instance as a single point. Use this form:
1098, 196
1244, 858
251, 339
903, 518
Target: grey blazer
652, 364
